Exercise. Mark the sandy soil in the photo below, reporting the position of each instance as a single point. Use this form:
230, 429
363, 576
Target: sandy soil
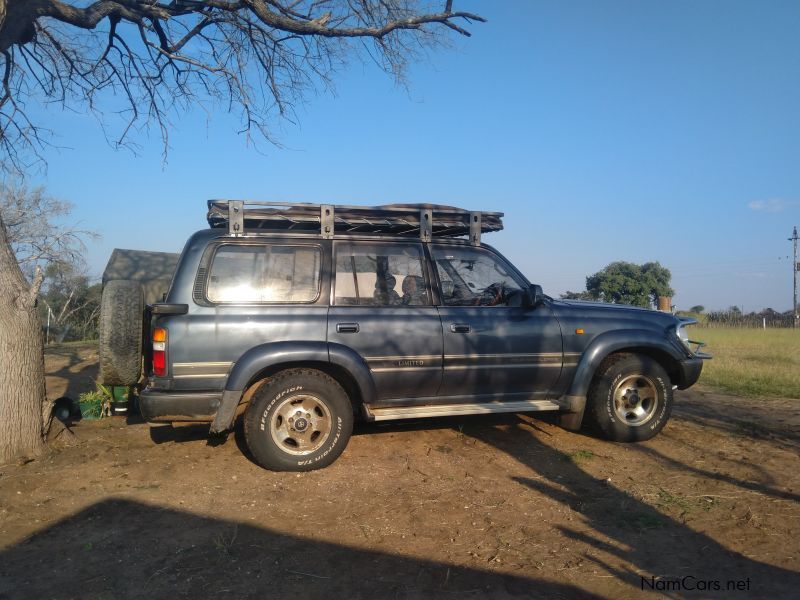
501, 507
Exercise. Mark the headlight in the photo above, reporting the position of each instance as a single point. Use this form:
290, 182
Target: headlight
683, 336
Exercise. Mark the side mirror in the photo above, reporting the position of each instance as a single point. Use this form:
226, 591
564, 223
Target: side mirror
535, 296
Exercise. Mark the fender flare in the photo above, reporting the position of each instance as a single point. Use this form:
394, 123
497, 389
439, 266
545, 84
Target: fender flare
606, 343
351, 361
264, 356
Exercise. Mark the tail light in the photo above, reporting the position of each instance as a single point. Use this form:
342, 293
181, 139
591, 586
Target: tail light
160, 352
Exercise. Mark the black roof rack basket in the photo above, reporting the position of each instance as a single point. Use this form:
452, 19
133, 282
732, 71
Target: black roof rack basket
425, 221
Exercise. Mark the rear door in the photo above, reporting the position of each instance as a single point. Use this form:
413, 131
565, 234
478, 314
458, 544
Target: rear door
494, 347
382, 309
247, 292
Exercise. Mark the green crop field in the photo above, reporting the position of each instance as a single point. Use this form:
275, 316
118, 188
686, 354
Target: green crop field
752, 362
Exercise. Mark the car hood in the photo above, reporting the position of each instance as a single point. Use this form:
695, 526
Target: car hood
617, 310
604, 305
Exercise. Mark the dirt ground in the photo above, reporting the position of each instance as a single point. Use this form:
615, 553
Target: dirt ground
503, 507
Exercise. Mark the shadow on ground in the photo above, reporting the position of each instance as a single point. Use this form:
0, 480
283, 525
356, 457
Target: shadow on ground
634, 538
124, 549
66, 381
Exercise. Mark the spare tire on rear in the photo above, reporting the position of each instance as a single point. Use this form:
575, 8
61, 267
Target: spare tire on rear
121, 310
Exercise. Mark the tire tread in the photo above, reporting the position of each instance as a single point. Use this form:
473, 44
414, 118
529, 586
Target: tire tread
120, 343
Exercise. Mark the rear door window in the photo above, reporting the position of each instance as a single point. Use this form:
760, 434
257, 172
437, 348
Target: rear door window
264, 273
380, 275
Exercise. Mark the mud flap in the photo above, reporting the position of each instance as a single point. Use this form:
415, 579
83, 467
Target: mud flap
226, 414
572, 417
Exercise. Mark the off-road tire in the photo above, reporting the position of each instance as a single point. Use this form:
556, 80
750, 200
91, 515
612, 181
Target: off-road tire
262, 415
120, 347
603, 412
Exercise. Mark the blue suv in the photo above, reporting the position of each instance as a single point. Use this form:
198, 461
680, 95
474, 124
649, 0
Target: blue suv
301, 318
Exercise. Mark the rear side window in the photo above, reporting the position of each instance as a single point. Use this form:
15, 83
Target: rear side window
380, 275
264, 273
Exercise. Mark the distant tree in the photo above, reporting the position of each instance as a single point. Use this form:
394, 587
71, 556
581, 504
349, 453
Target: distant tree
629, 283
576, 295
72, 302
699, 308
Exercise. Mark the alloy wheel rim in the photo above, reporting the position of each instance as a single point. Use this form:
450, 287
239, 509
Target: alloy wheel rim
300, 424
635, 400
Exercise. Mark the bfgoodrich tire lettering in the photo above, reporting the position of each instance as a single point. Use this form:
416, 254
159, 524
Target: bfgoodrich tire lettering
630, 399
299, 420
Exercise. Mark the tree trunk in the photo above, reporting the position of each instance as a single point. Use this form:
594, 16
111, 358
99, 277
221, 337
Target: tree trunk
24, 410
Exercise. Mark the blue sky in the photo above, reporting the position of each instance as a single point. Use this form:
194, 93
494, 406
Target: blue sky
605, 131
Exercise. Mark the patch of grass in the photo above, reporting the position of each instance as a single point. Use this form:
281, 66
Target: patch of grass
580, 456
224, 542
667, 498
752, 362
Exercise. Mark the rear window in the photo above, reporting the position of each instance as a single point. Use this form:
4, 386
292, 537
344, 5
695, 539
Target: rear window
264, 273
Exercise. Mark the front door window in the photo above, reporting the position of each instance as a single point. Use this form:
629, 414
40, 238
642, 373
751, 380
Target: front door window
474, 277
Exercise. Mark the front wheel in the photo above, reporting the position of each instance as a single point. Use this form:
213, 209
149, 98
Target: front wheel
630, 400
299, 420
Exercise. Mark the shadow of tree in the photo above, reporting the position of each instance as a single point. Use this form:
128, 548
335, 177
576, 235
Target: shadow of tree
754, 486
736, 422
126, 549
627, 530
77, 382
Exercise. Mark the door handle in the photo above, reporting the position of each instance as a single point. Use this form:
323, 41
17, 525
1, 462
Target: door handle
460, 328
347, 327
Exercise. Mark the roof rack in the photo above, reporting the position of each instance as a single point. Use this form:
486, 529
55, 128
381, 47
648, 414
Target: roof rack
425, 221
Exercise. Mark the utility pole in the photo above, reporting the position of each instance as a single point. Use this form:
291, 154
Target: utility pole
795, 269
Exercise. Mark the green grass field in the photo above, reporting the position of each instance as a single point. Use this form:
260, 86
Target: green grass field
752, 362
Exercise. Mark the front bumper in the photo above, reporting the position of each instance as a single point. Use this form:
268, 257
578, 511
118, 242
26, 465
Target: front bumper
688, 372
160, 406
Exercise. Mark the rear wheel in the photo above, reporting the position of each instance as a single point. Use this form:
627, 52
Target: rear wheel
299, 420
630, 399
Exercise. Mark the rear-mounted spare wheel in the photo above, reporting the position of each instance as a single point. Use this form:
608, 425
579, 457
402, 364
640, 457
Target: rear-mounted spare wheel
121, 310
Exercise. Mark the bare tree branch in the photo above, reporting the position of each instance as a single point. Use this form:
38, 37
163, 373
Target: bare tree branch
138, 62
35, 229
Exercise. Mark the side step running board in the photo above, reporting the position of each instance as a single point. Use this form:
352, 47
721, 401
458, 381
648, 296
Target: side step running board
450, 410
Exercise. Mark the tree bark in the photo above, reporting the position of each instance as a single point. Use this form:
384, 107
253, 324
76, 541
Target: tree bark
24, 410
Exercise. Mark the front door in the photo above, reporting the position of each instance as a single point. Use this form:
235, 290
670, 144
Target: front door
382, 309
494, 346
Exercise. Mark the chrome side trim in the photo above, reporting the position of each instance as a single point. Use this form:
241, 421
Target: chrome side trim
526, 365
405, 357
200, 369
427, 362
448, 410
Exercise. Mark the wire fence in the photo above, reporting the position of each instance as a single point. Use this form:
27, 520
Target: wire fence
751, 321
